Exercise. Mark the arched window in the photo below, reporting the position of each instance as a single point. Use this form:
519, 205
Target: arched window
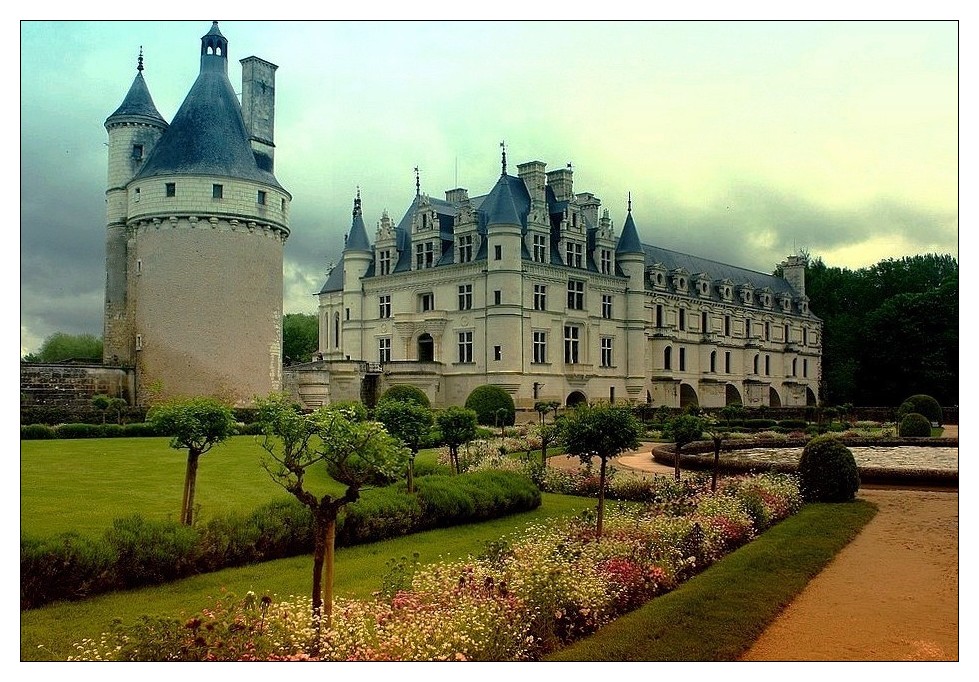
426, 348
668, 358
795, 363
713, 361
756, 365
336, 330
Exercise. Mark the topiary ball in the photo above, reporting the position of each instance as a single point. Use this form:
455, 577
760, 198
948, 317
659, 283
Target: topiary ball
827, 471
406, 394
923, 405
914, 425
493, 406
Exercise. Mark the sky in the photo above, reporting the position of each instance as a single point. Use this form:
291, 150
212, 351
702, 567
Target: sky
739, 141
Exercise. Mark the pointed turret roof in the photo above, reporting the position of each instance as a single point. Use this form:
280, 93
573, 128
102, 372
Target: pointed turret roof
138, 103
357, 239
507, 203
208, 134
629, 239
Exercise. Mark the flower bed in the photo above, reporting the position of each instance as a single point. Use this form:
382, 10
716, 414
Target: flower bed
525, 596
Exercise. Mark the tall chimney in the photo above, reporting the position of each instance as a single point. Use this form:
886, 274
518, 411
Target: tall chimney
258, 108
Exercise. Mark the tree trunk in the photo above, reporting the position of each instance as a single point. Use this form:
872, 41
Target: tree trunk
411, 473
717, 461
676, 462
190, 485
331, 536
601, 499
319, 559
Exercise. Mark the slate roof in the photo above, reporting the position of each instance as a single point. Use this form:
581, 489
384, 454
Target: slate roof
138, 104
672, 260
629, 238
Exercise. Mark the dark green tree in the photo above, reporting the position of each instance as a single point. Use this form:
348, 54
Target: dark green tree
458, 427
195, 425
681, 430
603, 431
61, 346
300, 337
409, 422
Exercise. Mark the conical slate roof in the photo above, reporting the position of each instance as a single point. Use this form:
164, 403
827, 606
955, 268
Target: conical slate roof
357, 239
208, 134
508, 203
138, 104
629, 239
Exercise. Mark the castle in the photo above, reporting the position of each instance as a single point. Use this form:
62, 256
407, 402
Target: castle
528, 286
195, 227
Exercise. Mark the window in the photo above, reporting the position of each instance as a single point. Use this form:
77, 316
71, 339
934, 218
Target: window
659, 315
754, 365
424, 255
136, 194
497, 297
805, 367
540, 297
498, 252
426, 302
466, 347
576, 294
607, 306
703, 322
768, 330
805, 336
139, 266
137, 152
465, 248
465, 296
497, 353
713, 361
540, 248
336, 330
261, 197
606, 346
346, 313
605, 264
384, 349
283, 205
727, 325
385, 306
768, 365
611, 394
683, 359
785, 331
681, 318
384, 262
795, 366
668, 358
727, 362
571, 339
139, 342
574, 255
217, 191
540, 347
747, 328
171, 189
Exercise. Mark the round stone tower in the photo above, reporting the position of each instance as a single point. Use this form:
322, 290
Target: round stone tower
206, 221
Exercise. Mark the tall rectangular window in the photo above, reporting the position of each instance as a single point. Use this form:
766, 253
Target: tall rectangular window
768, 365
540, 248
683, 359
497, 353
605, 264
466, 347
465, 296
171, 188
261, 197
606, 346
137, 152
498, 252
727, 362
384, 262
384, 349
576, 294
805, 367
747, 328
607, 306
574, 255
540, 297
540, 347
785, 333
727, 325
217, 191
424, 255
497, 297
659, 315
805, 336
384, 305
426, 302
768, 330
571, 340
465, 248
704, 322
681, 319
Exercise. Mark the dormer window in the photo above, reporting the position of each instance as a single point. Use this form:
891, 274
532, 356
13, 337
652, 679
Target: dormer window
465, 248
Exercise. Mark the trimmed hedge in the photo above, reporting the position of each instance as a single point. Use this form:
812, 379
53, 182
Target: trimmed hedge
490, 403
136, 552
914, 425
827, 471
921, 404
406, 394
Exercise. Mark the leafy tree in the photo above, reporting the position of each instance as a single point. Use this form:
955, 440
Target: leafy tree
197, 425
544, 406
406, 393
458, 426
101, 403
681, 430
354, 453
61, 346
409, 422
300, 337
602, 431
548, 434
718, 433
117, 405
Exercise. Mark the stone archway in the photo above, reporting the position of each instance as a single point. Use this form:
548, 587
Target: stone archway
426, 348
688, 396
810, 397
732, 396
773, 398
576, 398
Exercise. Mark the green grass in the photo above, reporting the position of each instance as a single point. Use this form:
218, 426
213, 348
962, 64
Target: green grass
720, 613
47, 633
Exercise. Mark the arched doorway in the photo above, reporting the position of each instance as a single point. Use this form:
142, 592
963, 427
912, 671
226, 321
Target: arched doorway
688, 396
810, 397
576, 398
732, 396
773, 399
426, 348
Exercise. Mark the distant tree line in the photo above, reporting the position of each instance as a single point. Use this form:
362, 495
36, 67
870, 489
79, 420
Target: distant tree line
890, 330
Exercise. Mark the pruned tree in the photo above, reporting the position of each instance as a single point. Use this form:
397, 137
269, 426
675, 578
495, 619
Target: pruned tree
458, 427
197, 425
117, 405
101, 403
355, 453
602, 431
718, 433
409, 422
681, 430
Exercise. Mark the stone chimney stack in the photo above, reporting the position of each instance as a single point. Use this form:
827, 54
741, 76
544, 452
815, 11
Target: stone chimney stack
794, 272
258, 108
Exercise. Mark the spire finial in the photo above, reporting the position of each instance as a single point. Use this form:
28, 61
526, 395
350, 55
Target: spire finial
418, 182
570, 167
357, 203
503, 147
139, 62
630, 202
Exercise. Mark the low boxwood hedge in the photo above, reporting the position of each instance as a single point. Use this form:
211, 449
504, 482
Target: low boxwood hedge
136, 552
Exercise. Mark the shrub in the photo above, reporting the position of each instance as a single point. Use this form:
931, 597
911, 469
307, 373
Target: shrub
827, 471
793, 424
252, 429
36, 432
406, 394
759, 424
923, 405
78, 430
151, 552
492, 405
914, 425
358, 408
139, 429
66, 566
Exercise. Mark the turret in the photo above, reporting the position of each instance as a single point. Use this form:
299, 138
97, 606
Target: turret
794, 272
